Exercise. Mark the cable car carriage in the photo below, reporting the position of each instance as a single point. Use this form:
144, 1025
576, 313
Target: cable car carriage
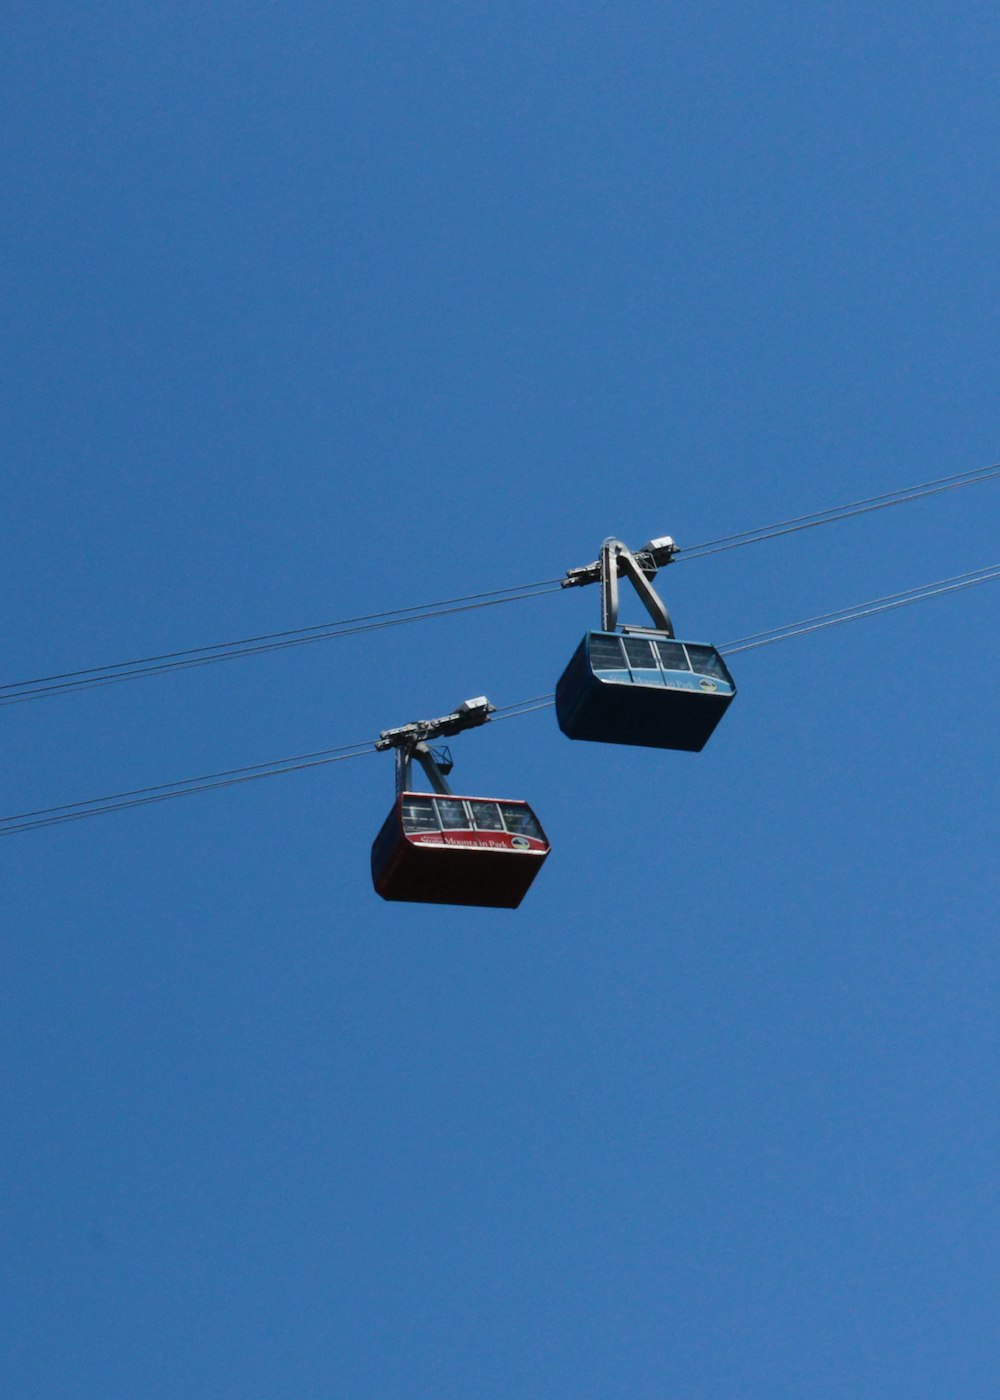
640, 685
438, 848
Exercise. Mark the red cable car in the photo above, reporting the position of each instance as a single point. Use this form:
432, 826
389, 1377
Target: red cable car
436, 848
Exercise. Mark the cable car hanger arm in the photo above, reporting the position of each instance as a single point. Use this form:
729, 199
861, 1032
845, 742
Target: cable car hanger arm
435, 766
639, 568
410, 742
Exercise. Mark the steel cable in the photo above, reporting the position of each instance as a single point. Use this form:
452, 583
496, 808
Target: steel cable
210, 782
163, 792
834, 514
9, 695
868, 609
67, 682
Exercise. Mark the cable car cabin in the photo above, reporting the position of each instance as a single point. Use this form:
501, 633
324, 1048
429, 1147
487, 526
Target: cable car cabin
643, 688
434, 849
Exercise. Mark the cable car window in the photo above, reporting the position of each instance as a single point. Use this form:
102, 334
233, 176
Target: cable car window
707, 662
639, 651
486, 816
605, 653
521, 821
419, 815
672, 656
452, 812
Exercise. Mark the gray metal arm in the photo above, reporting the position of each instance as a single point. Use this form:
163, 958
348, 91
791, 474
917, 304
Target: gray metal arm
616, 558
405, 754
410, 742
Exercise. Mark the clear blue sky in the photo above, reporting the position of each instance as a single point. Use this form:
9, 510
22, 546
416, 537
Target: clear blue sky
316, 310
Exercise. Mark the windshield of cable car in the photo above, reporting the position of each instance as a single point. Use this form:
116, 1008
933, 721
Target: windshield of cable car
706, 661
639, 651
419, 815
486, 816
521, 821
672, 656
453, 815
606, 653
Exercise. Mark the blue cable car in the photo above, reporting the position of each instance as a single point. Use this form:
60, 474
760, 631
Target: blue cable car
640, 685
643, 688
436, 848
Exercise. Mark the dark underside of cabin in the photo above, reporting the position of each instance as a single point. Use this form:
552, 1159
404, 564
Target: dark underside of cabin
426, 874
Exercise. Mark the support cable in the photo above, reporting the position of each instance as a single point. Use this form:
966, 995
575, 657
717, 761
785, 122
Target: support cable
210, 782
17, 692
868, 609
182, 787
837, 513
67, 682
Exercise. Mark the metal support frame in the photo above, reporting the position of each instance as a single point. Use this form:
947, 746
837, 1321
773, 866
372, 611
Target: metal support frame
639, 568
410, 742
430, 762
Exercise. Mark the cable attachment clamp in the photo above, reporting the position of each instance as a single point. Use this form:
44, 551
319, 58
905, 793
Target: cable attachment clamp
652, 556
465, 716
639, 568
410, 742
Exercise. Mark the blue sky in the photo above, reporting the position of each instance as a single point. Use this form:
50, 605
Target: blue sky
316, 311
